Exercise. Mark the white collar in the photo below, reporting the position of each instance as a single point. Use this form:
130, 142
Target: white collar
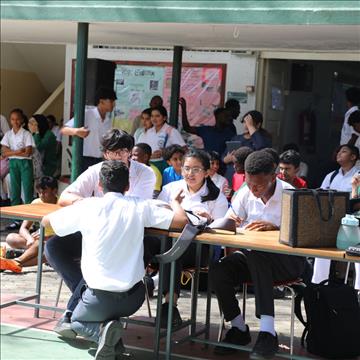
202, 191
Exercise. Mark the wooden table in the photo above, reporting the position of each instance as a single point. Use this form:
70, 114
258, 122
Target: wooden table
35, 213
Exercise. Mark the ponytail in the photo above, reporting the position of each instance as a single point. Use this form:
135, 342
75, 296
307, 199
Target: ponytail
213, 191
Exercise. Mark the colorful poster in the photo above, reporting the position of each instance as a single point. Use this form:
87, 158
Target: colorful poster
135, 85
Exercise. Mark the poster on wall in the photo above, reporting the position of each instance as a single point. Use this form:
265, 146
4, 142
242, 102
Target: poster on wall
202, 86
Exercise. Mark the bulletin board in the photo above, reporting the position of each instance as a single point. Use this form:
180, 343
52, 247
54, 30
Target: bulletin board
202, 86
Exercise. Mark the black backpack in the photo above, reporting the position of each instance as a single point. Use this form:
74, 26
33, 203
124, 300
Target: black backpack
332, 329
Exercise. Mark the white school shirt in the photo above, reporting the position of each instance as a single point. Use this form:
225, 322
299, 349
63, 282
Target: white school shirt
340, 182
165, 137
21, 139
97, 126
216, 208
141, 178
112, 229
221, 182
251, 208
347, 130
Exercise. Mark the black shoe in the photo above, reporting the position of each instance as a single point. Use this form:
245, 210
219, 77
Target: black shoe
13, 253
236, 337
265, 347
110, 336
176, 319
279, 292
13, 226
149, 283
63, 326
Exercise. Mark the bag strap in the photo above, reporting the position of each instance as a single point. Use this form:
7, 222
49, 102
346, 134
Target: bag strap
315, 193
297, 310
332, 177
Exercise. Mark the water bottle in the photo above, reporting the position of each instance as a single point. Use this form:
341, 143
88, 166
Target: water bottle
349, 232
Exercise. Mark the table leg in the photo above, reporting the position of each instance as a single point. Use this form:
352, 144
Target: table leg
195, 289
39, 270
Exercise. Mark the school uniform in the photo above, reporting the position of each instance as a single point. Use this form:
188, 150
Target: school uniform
260, 268
92, 143
64, 253
112, 260
21, 167
159, 140
191, 202
341, 182
221, 182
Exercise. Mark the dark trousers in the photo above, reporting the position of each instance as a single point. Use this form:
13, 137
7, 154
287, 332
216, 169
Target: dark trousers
98, 306
261, 269
64, 254
152, 247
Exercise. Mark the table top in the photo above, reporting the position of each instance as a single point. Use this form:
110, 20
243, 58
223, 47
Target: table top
33, 212
255, 240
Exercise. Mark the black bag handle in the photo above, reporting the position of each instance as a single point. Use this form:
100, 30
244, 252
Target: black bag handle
315, 193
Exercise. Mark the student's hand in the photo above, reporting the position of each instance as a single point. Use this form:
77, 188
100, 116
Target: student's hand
30, 241
157, 154
355, 181
182, 103
204, 214
179, 196
229, 158
249, 122
82, 132
238, 220
260, 225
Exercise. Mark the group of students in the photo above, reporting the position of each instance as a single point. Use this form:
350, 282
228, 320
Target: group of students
29, 150
116, 191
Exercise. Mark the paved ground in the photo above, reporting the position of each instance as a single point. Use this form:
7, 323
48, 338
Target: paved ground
13, 285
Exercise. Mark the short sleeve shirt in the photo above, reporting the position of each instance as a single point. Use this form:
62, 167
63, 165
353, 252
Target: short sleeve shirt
112, 229
216, 208
97, 126
17, 141
251, 208
142, 181
166, 136
341, 182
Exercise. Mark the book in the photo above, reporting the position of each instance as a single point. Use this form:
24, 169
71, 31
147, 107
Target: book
224, 226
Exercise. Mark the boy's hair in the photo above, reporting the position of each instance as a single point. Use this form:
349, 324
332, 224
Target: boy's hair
259, 162
274, 155
291, 146
290, 157
114, 176
19, 112
214, 156
116, 139
147, 111
145, 148
232, 103
104, 93
353, 149
169, 151
256, 116
353, 95
354, 118
242, 153
46, 182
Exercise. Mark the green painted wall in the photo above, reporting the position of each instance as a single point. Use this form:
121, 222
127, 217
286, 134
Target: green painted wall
201, 12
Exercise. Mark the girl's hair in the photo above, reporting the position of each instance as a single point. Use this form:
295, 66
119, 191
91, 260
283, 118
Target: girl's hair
161, 109
258, 119
19, 112
43, 124
204, 158
146, 111
214, 155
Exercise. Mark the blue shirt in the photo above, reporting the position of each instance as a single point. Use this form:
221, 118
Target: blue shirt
170, 175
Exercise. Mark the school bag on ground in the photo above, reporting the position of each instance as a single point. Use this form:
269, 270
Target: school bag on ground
332, 326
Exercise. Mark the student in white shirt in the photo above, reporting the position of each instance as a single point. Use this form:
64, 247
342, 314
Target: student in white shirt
339, 180
97, 121
112, 260
203, 198
64, 253
352, 101
160, 136
256, 207
220, 181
